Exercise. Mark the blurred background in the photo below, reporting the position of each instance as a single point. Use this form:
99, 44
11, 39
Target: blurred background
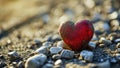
34, 17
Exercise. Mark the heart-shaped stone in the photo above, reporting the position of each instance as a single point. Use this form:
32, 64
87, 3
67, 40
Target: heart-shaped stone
77, 35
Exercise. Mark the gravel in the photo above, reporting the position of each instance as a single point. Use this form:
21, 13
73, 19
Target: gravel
67, 54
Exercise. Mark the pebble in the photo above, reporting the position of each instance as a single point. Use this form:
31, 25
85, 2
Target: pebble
55, 50
101, 45
67, 54
43, 50
58, 62
47, 44
36, 61
92, 45
117, 40
13, 55
60, 44
105, 41
118, 50
48, 65
87, 55
56, 56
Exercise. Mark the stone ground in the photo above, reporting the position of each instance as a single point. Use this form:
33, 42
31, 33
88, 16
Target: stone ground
29, 30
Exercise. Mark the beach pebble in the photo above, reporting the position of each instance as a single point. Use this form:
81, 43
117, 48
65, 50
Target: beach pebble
92, 45
68, 54
60, 44
105, 64
87, 55
36, 61
58, 62
43, 50
56, 56
55, 50
13, 55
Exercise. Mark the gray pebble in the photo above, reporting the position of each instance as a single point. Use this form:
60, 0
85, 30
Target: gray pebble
87, 55
36, 61
68, 54
43, 50
13, 55
55, 50
58, 62
117, 40
60, 44
92, 45
47, 44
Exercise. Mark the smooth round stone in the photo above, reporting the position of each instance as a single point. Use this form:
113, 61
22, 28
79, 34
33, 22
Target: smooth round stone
55, 50
43, 50
67, 54
36, 61
58, 62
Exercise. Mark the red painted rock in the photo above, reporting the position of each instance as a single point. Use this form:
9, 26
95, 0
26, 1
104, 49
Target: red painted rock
77, 35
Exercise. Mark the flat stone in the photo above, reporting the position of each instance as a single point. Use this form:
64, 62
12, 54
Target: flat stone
55, 50
43, 50
47, 44
68, 54
87, 55
60, 44
36, 61
56, 56
117, 40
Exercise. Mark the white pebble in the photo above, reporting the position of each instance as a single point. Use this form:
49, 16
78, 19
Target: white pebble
36, 61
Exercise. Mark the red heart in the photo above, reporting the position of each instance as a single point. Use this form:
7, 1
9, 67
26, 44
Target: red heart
77, 35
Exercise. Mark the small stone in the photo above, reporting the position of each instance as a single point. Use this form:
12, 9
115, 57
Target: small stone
60, 44
47, 44
43, 50
87, 55
92, 45
48, 65
105, 64
113, 15
68, 54
55, 57
101, 45
117, 40
56, 37
105, 41
13, 55
36, 61
58, 62
55, 50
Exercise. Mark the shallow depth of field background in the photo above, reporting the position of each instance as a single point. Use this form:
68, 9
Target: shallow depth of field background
33, 15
